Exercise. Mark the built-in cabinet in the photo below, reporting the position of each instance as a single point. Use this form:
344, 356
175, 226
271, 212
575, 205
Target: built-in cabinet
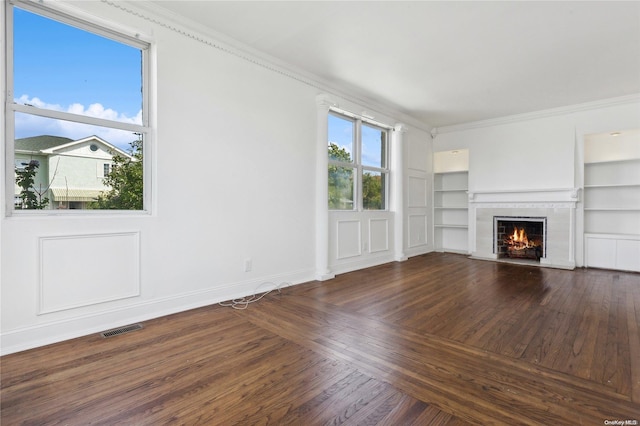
450, 201
611, 201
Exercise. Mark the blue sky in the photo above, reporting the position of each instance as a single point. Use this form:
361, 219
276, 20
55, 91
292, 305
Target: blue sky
340, 132
60, 67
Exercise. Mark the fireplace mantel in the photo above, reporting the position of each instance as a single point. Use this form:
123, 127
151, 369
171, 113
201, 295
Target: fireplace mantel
557, 205
550, 197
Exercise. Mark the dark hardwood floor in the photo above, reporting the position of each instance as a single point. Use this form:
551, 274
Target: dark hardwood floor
438, 340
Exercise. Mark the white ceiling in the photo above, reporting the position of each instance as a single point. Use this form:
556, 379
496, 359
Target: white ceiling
443, 63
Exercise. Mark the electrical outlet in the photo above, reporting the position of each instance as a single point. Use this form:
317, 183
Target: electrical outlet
248, 264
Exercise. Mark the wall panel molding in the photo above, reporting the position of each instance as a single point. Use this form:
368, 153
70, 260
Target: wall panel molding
83, 270
349, 238
417, 230
378, 235
417, 192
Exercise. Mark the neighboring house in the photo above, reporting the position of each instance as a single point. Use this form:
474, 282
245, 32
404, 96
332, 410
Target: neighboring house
71, 172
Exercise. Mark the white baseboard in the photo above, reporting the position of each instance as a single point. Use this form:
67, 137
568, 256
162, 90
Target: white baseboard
69, 328
355, 265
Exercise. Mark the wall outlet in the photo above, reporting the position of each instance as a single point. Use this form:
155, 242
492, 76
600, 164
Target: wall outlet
248, 264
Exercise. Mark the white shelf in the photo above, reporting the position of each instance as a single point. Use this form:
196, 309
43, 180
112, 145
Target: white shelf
613, 185
451, 215
611, 207
621, 160
451, 208
453, 172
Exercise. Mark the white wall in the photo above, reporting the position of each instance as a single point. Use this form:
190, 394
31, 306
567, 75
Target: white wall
534, 151
538, 151
233, 159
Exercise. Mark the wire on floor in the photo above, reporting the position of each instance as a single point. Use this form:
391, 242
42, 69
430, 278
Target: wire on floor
243, 302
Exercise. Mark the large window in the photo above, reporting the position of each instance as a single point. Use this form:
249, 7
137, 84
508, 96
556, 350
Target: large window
358, 164
76, 116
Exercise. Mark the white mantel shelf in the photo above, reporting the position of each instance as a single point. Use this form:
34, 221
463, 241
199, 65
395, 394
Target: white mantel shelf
568, 197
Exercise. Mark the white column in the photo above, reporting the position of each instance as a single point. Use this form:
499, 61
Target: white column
322, 190
397, 190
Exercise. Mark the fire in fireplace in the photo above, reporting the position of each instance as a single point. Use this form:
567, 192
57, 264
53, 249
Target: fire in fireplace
520, 237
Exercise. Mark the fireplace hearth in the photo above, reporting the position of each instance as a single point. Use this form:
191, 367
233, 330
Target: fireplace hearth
519, 237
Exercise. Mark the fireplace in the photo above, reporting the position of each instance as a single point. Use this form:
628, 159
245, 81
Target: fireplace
553, 209
517, 237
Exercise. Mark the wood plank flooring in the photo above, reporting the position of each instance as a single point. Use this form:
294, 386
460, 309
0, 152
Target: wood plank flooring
437, 340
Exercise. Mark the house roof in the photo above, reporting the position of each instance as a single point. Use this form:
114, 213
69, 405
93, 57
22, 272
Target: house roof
48, 145
39, 143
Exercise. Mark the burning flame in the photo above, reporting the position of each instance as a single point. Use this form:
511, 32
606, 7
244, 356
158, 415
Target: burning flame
519, 239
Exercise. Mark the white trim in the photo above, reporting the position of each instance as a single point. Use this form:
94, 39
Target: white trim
70, 15
323, 273
386, 234
359, 263
80, 141
134, 291
36, 335
77, 118
552, 197
552, 112
156, 14
362, 118
340, 256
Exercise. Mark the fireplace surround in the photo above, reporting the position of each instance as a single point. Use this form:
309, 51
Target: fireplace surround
554, 208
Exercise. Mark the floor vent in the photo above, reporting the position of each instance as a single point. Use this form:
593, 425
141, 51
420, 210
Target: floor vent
121, 330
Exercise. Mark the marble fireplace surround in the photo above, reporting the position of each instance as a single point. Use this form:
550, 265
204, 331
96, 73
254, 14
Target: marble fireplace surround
557, 205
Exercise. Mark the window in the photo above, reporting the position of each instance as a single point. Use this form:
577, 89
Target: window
76, 103
358, 164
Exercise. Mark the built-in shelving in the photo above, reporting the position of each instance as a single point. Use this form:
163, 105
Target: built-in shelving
611, 203
450, 201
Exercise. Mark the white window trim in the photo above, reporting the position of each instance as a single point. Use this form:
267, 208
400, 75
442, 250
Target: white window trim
89, 24
356, 162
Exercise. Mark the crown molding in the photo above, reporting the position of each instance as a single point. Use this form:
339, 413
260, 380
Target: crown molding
552, 112
158, 15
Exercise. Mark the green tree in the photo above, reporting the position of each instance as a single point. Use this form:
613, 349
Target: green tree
125, 181
25, 179
372, 191
340, 179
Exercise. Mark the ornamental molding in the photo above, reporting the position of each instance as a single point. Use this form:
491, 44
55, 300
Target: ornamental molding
155, 14
400, 127
528, 197
537, 205
552, 112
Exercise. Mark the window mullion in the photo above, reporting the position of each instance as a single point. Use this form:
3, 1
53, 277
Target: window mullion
78, 118
358, 164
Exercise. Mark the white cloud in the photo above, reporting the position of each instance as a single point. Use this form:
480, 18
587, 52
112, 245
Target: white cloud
36, 102
30, 125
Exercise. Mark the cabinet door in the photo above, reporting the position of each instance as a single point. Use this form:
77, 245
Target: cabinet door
601, 253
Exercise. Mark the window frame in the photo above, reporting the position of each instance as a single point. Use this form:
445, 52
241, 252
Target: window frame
11, 107
356, 161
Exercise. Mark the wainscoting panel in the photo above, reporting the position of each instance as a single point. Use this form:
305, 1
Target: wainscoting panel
349, 239
82, 270
417, 230
378, 235
417, 192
